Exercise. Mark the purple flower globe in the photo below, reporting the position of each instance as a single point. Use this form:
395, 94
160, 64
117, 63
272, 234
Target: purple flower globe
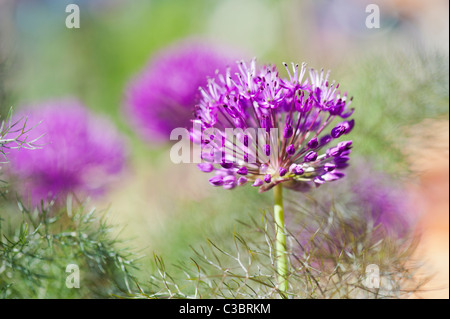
80, 152
162, 97
280, 128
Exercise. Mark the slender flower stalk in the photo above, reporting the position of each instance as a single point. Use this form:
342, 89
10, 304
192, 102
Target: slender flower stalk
281, 252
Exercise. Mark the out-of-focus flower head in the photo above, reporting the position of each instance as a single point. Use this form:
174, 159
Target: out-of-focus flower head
370, 204
162, 97
80, 152
369, 211
382, 201
291, 117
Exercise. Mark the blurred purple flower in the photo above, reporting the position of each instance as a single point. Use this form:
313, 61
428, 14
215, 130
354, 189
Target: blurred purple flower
370, 204
80, 152
291, 116
162, 97
369, 207
382, 200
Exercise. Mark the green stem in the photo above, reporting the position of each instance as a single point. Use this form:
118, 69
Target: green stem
281, 254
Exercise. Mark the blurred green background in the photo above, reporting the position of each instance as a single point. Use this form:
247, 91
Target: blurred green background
398, 75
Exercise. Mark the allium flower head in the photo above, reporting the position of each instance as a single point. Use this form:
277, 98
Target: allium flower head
163, 95
79, 153
281, 128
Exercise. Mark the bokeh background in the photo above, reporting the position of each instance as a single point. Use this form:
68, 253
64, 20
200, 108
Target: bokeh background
398, 75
